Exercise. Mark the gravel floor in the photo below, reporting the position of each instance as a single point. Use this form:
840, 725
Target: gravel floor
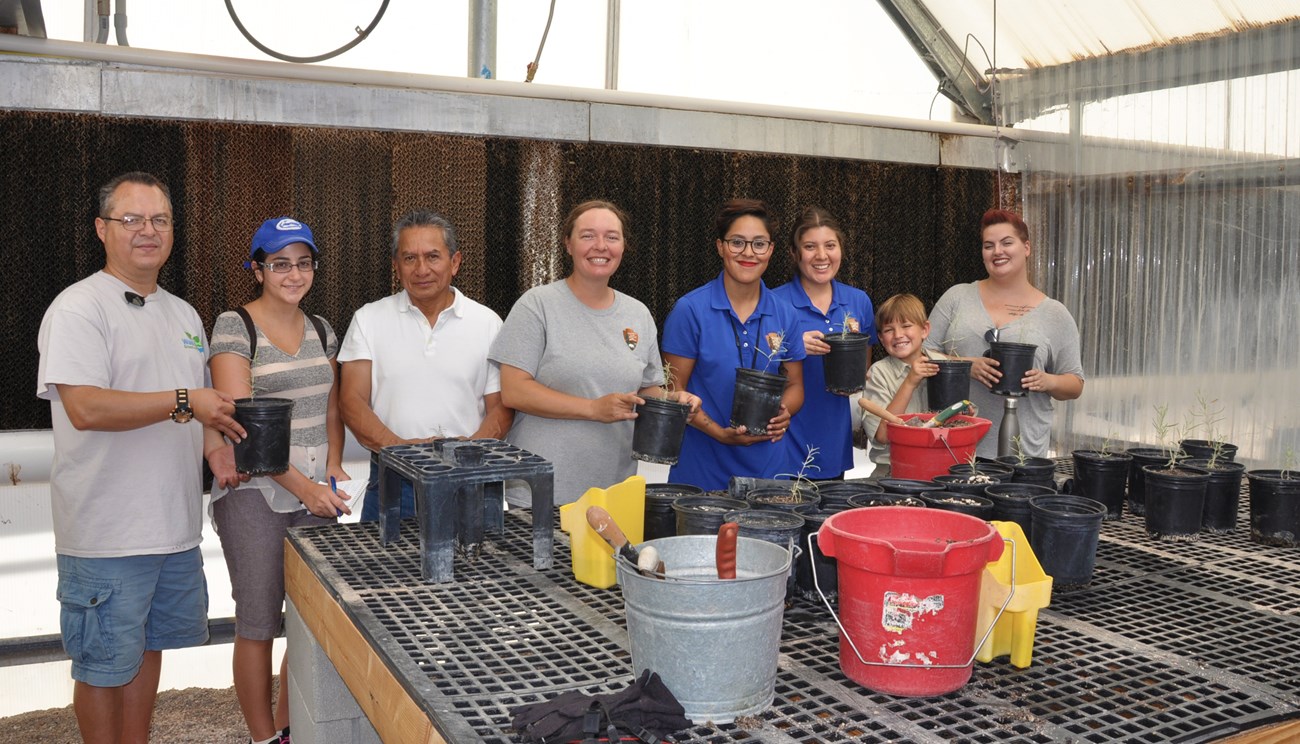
195, 714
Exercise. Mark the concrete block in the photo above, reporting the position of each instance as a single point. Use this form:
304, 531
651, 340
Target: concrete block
325, 697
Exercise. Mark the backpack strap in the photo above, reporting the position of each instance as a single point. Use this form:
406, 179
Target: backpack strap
252, 331
319, 325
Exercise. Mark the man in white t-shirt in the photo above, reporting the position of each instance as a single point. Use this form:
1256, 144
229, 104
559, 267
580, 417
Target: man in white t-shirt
415, 364
123, 364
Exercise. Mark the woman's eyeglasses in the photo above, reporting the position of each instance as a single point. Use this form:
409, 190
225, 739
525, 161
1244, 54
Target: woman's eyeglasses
737, 245
305, 265
991, 335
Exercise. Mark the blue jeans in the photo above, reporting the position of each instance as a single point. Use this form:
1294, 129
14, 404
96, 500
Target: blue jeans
370, 506
114, 609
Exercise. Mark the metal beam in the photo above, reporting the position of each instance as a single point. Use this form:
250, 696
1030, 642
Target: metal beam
958, 79
1227, 56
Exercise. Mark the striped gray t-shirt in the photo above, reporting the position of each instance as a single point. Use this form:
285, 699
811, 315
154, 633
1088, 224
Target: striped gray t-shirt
304, 378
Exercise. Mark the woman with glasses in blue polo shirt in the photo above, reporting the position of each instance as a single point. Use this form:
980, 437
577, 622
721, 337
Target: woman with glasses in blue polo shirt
823, 306
719, 327
1006, 306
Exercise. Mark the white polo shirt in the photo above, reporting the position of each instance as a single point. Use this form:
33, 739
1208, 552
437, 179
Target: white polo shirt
426, 381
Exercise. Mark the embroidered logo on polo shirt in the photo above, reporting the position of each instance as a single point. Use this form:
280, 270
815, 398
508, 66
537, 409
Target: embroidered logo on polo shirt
193, 342
630, 338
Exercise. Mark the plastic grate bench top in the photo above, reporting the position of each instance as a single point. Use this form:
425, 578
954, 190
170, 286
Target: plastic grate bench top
1172, 642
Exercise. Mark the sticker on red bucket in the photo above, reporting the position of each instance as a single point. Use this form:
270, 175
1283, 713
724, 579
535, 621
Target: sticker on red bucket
900, 609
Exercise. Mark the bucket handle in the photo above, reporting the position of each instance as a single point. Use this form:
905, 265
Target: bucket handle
950, 452
793, 553
974, 652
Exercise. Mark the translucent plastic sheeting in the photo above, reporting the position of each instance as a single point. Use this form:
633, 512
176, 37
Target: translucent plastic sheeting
1168, 222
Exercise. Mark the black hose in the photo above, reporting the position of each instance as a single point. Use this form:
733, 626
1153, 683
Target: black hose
361, 35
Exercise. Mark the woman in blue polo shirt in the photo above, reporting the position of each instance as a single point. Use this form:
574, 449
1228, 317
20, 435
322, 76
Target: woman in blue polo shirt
823, 306
719, 327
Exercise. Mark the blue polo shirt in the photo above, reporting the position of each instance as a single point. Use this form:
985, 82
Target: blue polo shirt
702, 326
825, 420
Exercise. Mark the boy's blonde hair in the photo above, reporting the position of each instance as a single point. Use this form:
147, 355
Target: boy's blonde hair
901, 308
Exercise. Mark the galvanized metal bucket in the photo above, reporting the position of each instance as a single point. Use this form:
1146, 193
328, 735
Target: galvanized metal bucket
713, 642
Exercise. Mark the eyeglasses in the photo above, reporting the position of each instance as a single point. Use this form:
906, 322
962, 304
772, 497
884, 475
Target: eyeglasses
991, 335
305, 265
760, 245
135, 223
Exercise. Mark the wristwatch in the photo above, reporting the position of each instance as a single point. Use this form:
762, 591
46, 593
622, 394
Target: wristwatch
182, 413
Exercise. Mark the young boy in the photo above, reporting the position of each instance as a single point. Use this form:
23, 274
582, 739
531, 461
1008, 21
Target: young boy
895, 381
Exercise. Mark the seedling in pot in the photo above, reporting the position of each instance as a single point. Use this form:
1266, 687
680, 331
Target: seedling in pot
801, 478
1288, 464
1020, 450
848, 324
776, 349
1107, 443
1209, 414
1169, 434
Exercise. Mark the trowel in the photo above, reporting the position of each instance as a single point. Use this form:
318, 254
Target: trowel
605, 526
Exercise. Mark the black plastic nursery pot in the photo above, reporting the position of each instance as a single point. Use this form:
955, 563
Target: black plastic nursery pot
658, 430
984, 467
782, 498
811, 560
950, 385
1203, 449
837, 493
1102, 477
1222, 494
972, 484
660, 519
757, 399
846, 363
704, 514
1137, 482
782, 528
1011, 502
1039, 471
1175, 501
980, 507
885, 499
1064, 537
1014, 360
905, 486
265, 451
1274, 507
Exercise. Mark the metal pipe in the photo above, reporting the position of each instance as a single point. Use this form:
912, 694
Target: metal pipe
119, 23
482, 61
325, 74
612, 14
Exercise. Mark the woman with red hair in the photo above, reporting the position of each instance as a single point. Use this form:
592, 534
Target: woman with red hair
1005, 306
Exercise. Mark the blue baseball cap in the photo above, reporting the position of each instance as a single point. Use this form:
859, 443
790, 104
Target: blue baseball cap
277, 232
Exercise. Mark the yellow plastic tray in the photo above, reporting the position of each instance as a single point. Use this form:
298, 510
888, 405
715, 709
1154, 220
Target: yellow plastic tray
1014, 632
593, 558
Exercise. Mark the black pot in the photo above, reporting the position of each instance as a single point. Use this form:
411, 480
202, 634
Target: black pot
1137, 482
985, 467
704, 514
837, 493
1175, 501
1203, 449
885, 499
783, 498
1222, 494
971, 484
265, 450
660, 519
1274, 507
1011, 502
950, 385
846, 363
1102, 477
757, 399
811, 561
1064, 537
962, 503
1039, 471
1014, 360
658, 430
905, 486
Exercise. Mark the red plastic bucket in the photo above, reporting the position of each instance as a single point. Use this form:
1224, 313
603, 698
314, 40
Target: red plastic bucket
921, 454
909, 586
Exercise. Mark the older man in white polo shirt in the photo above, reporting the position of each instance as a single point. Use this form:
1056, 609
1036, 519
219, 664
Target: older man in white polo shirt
415, 364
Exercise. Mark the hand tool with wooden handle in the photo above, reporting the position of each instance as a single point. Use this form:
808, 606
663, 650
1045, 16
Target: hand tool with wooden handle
879, 411
726, 551
605, 526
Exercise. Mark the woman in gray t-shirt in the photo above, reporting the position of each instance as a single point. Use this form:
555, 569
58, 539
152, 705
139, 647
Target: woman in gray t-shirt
1006, 306
576, 356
